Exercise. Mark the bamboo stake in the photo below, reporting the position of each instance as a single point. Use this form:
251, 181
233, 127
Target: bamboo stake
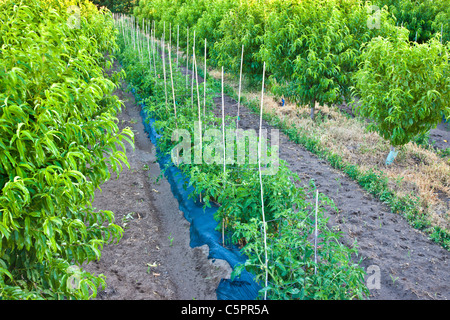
178, 41
224, 151
134, 35
149, 51
204, 85
164, 67
260, 180
240, 85
198, 100
315, 233
192, 87
223, 125
154, 48
199, 109
187, 61
170, 34
173, 89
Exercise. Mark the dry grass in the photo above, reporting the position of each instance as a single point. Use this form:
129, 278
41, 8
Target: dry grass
416, 170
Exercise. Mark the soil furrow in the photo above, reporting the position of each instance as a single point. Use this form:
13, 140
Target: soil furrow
411, 265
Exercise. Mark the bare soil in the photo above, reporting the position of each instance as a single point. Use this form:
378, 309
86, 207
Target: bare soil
411, 265
153, 260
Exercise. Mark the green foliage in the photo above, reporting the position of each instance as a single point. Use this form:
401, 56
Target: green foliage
208, 25
58, 141
289, 213
404, 88
423, 18
313, 48
117, 6
242, 26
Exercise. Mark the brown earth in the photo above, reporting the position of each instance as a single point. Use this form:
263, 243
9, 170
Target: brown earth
153, 260
412, 266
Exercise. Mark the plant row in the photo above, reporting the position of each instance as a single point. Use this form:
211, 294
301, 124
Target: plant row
296, 266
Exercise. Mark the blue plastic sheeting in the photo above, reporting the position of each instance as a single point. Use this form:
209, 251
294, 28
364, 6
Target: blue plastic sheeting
203, 225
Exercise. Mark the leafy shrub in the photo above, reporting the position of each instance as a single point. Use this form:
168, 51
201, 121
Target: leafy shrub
404, 88
58, 142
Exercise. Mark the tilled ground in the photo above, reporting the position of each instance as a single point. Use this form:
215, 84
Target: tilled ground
153, 260
411, 265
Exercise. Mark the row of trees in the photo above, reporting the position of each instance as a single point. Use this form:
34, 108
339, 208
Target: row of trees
58, 142
117, 6
324, 51
423, 18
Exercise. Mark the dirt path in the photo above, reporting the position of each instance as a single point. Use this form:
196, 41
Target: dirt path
153, 260
411, 265
440, 136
